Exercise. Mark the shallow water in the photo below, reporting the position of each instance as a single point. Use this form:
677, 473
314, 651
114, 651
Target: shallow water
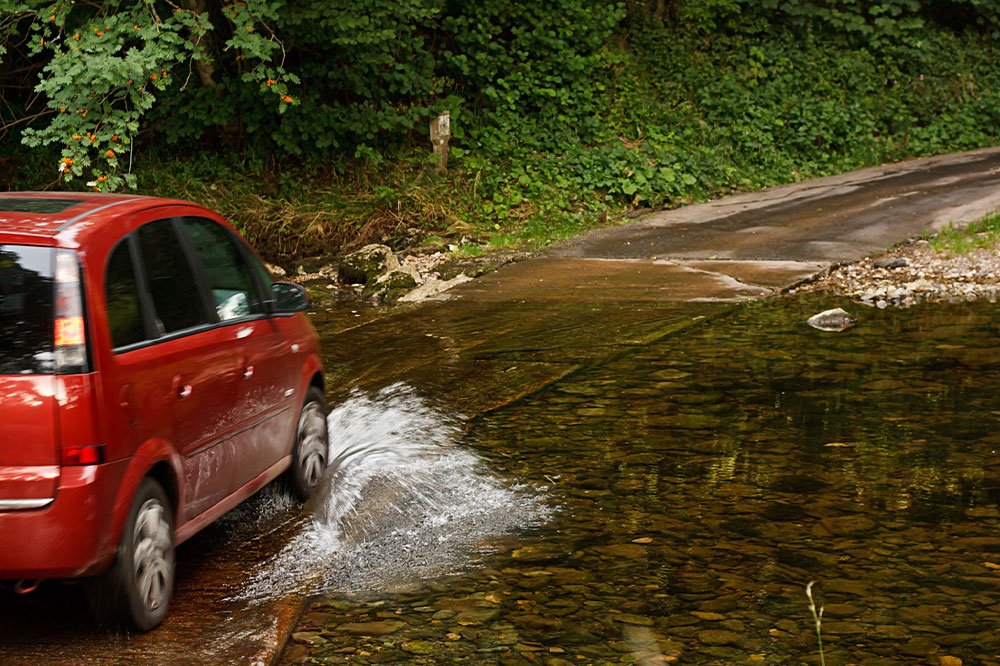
687, 487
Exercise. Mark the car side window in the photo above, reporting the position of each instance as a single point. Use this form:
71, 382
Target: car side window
228, 276
262, 273
170, 278
121, 296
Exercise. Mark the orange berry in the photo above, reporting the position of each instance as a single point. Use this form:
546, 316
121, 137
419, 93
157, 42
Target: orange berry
287, 98
110, 153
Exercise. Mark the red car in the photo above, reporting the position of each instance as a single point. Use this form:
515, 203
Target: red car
152, 377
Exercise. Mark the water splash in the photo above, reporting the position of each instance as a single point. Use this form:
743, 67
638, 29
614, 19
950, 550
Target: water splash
401, 501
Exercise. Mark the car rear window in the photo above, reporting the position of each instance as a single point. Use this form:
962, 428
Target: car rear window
26, 329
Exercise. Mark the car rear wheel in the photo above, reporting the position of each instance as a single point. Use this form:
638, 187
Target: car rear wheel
311, 450
136, 591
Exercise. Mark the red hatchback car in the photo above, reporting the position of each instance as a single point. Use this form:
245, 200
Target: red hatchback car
152, 377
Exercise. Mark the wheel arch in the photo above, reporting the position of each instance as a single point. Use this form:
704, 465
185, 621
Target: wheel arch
158, 459
312, 375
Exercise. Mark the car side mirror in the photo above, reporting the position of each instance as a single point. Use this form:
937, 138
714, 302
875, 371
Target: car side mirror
288, 297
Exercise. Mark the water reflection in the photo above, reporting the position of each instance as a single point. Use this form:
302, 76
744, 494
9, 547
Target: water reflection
706, 478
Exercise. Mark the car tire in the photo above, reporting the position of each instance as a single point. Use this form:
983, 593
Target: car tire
136, 590
311, 449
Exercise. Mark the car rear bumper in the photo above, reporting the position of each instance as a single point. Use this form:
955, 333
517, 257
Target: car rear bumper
70, 536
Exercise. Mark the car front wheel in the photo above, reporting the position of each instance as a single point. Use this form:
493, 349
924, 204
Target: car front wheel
311, 450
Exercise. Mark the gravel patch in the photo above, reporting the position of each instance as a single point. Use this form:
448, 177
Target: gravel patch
914, 273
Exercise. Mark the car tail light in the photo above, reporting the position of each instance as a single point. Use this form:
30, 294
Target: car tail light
70, 329
82, 455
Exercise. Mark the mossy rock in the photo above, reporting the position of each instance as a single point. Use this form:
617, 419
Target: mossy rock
367, 264
390, 288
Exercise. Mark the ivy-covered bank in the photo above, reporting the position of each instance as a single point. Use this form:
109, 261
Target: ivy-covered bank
306, 121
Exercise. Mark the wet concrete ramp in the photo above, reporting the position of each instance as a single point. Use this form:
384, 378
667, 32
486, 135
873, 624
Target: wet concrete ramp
758, 242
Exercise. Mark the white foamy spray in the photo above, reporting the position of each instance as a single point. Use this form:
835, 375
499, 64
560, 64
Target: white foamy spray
402, 500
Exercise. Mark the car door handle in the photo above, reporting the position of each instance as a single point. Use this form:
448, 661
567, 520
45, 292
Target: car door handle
246, 368
182, 388
125, 402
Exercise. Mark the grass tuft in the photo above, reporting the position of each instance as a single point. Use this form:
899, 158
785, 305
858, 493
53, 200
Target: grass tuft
957, 240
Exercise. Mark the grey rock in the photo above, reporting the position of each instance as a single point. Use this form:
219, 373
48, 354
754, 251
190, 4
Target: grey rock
367, 264
836, 319
390, 287
891, 262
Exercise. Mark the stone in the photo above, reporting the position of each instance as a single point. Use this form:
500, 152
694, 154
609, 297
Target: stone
845, 586
276, 271
708, 617
841, 610
367, 264
310, 637
787, 626
850, 524
629, 618
390, 286
540, 553
983, 544
407, 269
433, 287
840, 628
626, 550
920, 646
948, 660
836, 319
473, 616
417, 647
372, 628
719, 637
891, 262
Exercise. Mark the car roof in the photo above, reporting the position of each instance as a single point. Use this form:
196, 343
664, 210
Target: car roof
46, 214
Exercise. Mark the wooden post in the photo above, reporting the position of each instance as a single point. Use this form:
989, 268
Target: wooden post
440, 135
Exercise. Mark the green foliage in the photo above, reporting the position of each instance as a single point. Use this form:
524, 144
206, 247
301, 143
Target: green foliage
561, 111
952, 240
366, 72
105, 64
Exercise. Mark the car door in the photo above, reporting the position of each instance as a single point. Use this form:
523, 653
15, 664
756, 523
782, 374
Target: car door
264, 369
173, 369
